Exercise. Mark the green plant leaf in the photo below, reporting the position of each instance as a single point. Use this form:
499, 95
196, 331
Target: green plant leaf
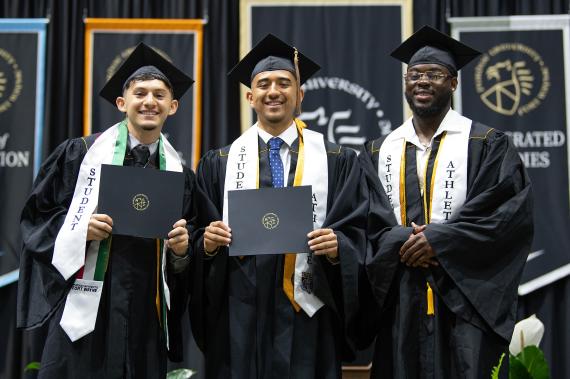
497, 368
533, 360
32, 366
181, 373
517, 370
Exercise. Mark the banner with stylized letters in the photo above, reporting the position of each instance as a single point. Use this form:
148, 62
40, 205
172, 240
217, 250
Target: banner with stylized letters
108, 42
22, 92
358, 93
521, 85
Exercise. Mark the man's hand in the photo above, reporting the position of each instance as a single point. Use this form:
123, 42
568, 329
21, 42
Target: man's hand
178, 238
100, 227
416, 251
418, 229
323, 242
215, 235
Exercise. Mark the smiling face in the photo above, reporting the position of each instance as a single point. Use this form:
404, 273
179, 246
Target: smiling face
147, 104
429, 98
273, 95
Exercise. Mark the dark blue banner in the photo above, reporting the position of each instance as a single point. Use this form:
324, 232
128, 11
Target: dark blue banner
520, 85
357, 95
110, 42
22, 67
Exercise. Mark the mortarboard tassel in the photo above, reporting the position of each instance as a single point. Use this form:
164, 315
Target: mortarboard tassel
298, 76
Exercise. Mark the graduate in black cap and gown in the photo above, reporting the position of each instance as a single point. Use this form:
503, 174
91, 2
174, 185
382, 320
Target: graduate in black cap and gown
277, 316
450, 227
112, 303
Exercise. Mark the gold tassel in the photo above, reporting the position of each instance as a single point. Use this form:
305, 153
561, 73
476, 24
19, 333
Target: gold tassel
298, 76
158, 267
430, 305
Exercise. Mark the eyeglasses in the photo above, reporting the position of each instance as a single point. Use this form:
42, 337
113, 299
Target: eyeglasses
432, 77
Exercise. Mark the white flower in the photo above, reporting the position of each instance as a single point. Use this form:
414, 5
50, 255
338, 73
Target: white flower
527, 332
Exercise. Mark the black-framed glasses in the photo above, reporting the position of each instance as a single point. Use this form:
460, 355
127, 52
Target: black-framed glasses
430, 76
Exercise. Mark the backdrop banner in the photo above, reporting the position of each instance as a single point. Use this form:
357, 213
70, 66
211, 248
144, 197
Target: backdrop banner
357, 95
520, 84
22, 70
108, 42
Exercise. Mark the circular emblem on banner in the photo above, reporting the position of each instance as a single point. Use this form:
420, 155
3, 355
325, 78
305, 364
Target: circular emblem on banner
349, 111
10, 80
270, 221
141, 202
123, 55
512, 78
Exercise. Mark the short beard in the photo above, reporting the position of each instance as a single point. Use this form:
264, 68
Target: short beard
437, 107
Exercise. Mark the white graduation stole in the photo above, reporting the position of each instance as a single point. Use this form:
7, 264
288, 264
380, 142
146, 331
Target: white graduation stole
449, 178
242, 172
69, 256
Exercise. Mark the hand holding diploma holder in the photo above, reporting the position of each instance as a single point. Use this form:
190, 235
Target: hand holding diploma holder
142, 202
270, 220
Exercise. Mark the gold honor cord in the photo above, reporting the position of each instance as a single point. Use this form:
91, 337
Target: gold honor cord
157, 299
427, 214
430, 302
289, 264
403, 186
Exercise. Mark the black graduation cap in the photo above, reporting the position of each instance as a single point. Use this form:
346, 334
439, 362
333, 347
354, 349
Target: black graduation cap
429, 45
272, 54
144, 59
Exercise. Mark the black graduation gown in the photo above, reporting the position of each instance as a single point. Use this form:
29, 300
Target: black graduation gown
128, 341
240, 316
481, 253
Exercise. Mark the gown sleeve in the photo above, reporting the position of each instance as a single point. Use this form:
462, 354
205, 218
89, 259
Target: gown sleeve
482, 252
179, 282
337, 285
208, 274
41, 287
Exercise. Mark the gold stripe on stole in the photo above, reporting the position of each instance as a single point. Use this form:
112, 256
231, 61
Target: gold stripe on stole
403, 186
427, 215
289, 263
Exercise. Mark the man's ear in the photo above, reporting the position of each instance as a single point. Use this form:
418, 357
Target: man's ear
301, 94
121, 104
173, 107
453, 83
249, 97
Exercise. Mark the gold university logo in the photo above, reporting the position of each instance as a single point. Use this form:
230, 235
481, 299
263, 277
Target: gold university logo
270, 221
10, 80
141, 202
512, 78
